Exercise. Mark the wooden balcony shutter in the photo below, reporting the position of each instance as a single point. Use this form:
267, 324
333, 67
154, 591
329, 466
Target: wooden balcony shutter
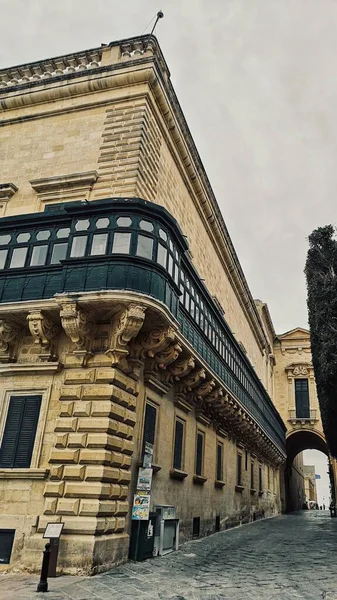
20, 430
200, 449
178, 445
219, 474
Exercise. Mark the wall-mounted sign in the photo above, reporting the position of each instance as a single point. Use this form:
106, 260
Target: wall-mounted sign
148, 449
53, 530
141, 507
144, 479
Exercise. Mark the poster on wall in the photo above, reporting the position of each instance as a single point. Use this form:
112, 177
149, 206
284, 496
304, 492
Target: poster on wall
144, 479
141, 507
148, 455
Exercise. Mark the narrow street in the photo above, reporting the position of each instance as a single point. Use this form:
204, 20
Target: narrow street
288, 557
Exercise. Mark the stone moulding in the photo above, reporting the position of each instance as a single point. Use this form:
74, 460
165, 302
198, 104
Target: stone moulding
24, 473
7, 190
74, 186
30, 368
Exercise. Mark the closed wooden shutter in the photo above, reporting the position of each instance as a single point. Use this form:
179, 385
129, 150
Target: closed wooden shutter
239, 470
178, 445
219, 474
302, 398
149, 425
6, 545
200, 449
20, 430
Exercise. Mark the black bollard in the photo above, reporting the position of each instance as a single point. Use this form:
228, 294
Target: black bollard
43, 583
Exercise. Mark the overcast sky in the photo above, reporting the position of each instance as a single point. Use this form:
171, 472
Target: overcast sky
257, 82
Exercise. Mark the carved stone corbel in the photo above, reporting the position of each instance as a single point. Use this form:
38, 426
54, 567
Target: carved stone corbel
179, 369
43, 331
8, 336
157, 340
78, 326
125, 327
192, 380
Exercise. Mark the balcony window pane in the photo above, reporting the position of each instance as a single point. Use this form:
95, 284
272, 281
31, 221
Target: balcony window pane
170, 265
163, 235
162, 255
121, 243
82, 225
59, 253
3, 256
43, 235
102, 223
176, 274
99, 243
18, 257
78, 246
146, 225
124, 222
144, 246
4, 239
23, 237
63, 233
39, 256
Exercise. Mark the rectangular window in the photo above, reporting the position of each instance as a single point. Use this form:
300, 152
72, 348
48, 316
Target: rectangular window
3, 256
6, 545
161, 255
98, 245
260, 478
39, 256
199, 453
219, 462
178, 444
18, 257
121, 243
20, 430
252, 482
268, 475
246, 460
302, 398
144, 246
78, 246
196, 526
170, 265
149, 425
59, 253
239, 469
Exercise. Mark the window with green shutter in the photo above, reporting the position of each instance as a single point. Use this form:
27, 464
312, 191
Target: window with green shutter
149, 425
20, 430
302, 398
178, 445
199, 453
219, 462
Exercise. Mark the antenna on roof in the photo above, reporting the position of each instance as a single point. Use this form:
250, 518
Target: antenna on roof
160, 15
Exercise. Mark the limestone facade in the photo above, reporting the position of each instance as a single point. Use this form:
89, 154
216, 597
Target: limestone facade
90, 143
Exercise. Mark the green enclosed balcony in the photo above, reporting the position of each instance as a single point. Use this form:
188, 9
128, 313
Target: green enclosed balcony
130, 245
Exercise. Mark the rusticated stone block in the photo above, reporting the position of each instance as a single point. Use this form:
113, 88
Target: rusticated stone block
81, 409
110, 525
83, 525
103, 440
66, 424
54, 490
87, 489
101, 409
129, 417
68, 392
66, 456
74, 472
56, 472
126, 462
97, 456
67, 507
93, 508
127, 446
122, 397
61, 441
115, 490
123, 492
66, 409
129, 433
50, 506
124, 476
116, 459
119, 524
111, 375
117, 412
77, 440
96, 392
122, 508
105, 425
122, 430
100, 473
80, 376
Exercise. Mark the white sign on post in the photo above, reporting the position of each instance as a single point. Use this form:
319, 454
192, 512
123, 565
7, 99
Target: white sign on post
53, 530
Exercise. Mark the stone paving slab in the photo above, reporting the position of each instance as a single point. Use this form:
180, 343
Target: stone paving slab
290, 557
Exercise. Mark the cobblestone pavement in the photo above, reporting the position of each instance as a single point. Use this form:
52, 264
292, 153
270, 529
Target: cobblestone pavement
287, 557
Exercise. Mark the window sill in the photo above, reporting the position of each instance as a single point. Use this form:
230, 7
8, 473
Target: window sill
177, 474
260, 493
239, 488
23, 473
219, 484
199, 479
252, 491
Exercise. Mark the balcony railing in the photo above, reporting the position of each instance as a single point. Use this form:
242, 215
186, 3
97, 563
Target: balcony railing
128, 245
310, 415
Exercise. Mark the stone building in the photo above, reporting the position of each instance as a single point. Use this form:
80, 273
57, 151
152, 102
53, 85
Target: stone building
310, 483
126, 322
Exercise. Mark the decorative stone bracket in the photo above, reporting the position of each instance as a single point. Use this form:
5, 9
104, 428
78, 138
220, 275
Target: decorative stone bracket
43, 331
9, 334
126, 326
78, 326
